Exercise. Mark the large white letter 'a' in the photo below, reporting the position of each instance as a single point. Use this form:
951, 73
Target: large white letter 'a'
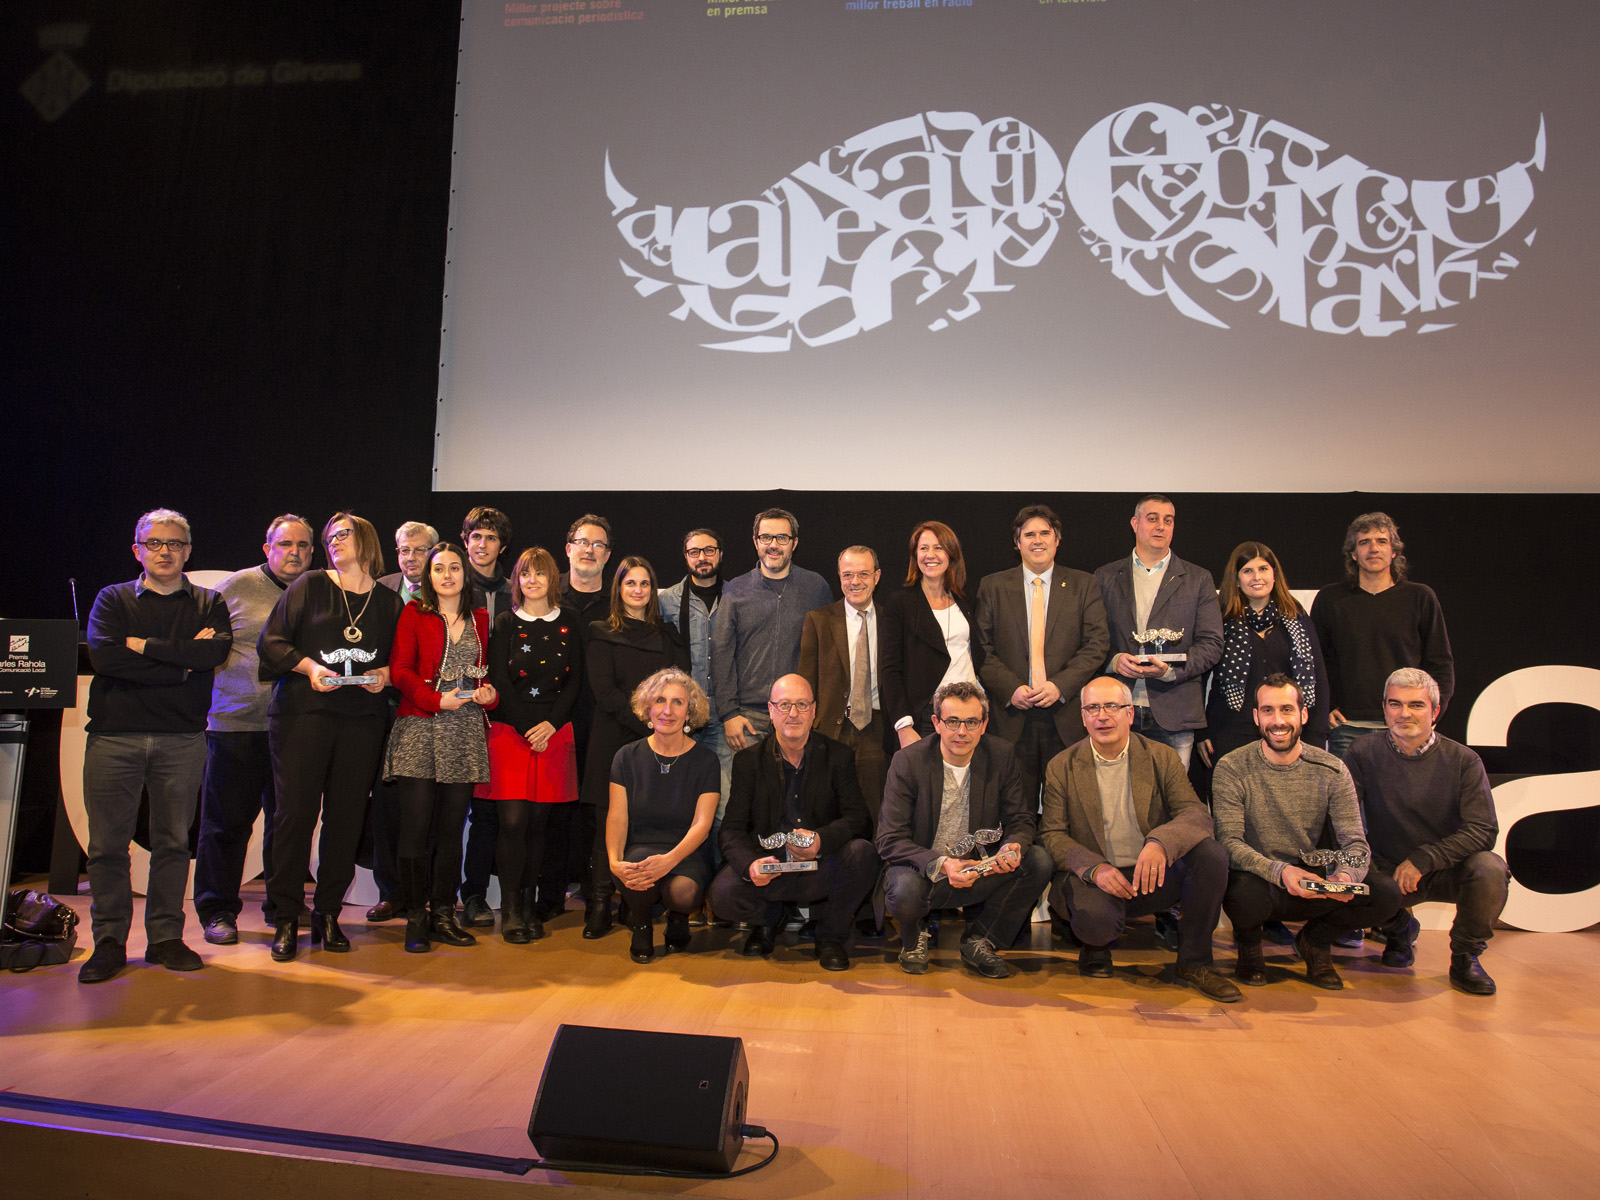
1487, 725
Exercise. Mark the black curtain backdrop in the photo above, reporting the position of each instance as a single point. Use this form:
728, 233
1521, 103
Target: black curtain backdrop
225, 265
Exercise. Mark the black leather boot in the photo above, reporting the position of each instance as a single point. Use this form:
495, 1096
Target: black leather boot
285, 941
413, 903
325, 932
531, 912
443, 926
514, 917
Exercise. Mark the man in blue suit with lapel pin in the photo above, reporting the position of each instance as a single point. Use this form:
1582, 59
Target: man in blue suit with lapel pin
1042, 629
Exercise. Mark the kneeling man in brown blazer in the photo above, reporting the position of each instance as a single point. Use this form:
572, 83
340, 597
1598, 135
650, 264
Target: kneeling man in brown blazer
1129, 838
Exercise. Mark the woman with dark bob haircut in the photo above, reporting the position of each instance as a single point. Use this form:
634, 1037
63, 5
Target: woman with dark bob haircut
438, 750
325, 734
622, 651
664, 790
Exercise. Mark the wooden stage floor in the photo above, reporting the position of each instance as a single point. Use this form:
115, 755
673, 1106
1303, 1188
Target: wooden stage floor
879, 1084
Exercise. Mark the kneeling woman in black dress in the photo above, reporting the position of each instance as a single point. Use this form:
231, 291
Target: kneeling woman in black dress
664, 793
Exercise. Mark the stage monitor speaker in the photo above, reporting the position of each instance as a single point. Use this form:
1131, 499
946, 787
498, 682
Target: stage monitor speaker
633, 1098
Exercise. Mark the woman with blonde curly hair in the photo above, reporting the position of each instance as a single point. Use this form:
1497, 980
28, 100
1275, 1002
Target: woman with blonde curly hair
664, 793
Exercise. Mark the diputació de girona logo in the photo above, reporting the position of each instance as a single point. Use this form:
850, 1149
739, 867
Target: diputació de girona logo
1215, 208
59, 82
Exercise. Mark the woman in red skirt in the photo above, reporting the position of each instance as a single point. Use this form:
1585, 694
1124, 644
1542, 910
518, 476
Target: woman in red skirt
535, 665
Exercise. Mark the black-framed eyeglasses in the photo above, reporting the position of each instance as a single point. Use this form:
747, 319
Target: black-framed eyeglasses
774, 539
339, 535
962, 724
1110, 710
155, 544
786, 707
704, 552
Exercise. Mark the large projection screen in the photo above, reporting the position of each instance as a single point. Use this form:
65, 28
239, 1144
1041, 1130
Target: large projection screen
1202, 245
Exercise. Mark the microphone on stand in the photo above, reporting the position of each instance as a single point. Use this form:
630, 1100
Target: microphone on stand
72, 584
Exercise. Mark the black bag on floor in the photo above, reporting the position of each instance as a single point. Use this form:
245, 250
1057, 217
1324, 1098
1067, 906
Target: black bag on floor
37, 931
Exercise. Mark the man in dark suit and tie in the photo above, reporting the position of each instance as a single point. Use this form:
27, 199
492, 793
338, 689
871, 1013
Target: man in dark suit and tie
794, 781
1153, 588
839, 659
950, 801
1042, 630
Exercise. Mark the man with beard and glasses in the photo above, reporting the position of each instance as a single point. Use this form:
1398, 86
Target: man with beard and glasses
756, 638
1272, 801
691, 605
238, 774
1431, 819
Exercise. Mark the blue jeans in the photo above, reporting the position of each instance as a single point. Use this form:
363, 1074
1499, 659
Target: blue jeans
1181, 740
716, 740
117, 768
1341, 737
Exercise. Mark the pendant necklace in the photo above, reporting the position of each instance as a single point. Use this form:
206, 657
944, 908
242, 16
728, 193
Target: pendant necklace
665, 764
352, 631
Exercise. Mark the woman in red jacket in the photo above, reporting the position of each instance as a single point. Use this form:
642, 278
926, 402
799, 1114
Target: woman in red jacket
438, 750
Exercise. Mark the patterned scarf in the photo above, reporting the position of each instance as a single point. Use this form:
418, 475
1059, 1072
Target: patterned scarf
1236, 649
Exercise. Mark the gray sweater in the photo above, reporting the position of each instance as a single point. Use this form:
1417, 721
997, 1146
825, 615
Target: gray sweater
238, 698
756, 636
1267, 814
1435, 809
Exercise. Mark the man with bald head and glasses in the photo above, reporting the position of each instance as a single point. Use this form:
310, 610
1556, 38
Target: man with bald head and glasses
1129, 837
794, 801
957, 829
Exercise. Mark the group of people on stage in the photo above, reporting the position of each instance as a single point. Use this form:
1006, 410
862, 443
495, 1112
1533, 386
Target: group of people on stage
749, 745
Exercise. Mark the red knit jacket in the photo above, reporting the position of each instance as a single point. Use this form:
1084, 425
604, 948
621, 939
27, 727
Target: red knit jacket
414, 660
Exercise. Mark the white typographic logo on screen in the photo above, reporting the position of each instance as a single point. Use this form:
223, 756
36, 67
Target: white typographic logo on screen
939, 199
1210, 207
1219, 204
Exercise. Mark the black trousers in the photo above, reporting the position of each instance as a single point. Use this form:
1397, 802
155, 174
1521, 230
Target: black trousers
483, 828
1197, 880
321, 762
383, 825
236, 788
1006, 899
843, 879
1252, 901
1038, 743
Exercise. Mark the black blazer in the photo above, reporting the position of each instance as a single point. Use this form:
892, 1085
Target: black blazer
914, 793
831, 802
912, 658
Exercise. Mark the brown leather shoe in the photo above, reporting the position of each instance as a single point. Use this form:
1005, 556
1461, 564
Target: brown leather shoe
380, 912
1209, 984
1320, 970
